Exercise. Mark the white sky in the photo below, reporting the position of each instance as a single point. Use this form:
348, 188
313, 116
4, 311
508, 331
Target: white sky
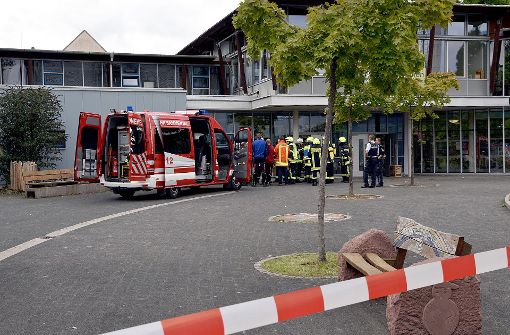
133, 26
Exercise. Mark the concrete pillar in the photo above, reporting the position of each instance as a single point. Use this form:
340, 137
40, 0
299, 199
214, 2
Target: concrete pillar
295, 125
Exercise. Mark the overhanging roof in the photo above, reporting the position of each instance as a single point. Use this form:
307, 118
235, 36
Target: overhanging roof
105, 57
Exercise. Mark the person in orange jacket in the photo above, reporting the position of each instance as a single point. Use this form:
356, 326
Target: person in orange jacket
281, 152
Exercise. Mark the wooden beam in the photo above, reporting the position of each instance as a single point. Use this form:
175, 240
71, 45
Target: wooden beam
431, 50
495, 57
242, 75
360, 264
223, 83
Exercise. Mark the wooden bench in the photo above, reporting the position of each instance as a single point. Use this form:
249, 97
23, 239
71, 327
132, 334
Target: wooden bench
46, 178
412, 236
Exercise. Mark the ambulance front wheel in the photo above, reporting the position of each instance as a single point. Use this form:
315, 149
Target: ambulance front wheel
173, 192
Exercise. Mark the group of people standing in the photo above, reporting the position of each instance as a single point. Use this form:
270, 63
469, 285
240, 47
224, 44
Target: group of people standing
296, 161
374, 166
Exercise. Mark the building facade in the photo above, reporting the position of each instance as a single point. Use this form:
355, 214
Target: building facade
471, 134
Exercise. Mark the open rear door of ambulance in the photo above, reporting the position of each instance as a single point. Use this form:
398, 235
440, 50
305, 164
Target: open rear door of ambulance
138, 155
243, 155
87, 159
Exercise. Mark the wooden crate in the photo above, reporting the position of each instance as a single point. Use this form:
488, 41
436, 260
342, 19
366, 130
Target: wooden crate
396, 170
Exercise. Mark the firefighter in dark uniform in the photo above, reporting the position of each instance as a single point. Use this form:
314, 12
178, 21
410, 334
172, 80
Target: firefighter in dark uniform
371, 157
299, 167
315, 155
330, 167
345, 160
307, 161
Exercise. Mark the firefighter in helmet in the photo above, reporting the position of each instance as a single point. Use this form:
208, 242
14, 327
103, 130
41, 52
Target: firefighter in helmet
299, 165
315, 155
293, 159
345, 161
307, 162
330, 167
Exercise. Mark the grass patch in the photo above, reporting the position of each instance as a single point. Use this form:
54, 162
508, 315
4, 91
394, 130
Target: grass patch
302, 265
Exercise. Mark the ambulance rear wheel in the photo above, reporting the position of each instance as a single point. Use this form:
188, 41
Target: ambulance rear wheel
127, 194
173, 192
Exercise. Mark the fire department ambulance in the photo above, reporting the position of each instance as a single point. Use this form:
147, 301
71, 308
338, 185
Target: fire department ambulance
160, 151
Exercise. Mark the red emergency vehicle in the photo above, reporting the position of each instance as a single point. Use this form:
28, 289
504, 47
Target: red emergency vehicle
160, 151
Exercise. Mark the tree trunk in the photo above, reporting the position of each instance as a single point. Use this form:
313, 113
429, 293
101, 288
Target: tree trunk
411, 166
325, 152
349, 141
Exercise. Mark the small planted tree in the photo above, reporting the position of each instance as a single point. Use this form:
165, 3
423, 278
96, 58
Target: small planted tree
367, 48
30, 127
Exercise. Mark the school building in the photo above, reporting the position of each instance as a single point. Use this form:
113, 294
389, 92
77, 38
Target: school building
213, 73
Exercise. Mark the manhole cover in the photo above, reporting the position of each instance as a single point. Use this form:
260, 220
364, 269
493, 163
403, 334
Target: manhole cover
355, 197
308, 218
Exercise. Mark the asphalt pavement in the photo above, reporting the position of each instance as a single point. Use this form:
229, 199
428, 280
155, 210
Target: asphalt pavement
189, 256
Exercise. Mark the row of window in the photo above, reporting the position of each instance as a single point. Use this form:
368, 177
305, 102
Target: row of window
463, 141
97, 74
467, 59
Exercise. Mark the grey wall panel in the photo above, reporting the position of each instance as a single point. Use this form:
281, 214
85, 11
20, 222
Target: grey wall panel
92, 102
161, 102
303, 87
477, 87
319, 85
127, 99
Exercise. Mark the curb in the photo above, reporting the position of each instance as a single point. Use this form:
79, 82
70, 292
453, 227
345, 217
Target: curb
507, 201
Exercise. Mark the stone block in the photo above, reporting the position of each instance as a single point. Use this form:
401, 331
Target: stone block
375, 241
445, 309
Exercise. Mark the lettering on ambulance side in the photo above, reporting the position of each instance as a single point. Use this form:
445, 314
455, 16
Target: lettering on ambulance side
180, 123
135, 121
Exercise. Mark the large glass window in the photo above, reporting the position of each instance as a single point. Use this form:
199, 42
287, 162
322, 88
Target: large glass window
427, 144
226, 120
32, 73
93, 74
243, 120
438, 57
298, 20
262, 124
454, 146
149, 75
116, 74
456, 58
477, 25
11, 71
468, 141
130, 75
166, 75
281, 126
496, 141
304, 122
441, 142
482, 146
477, 59
73, 74
200, 80
456, 27
215, 83
317, 123
53, 73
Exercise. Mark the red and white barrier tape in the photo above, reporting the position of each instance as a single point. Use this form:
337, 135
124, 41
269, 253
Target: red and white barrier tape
282, 307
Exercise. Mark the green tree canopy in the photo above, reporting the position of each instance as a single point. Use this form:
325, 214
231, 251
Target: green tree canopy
30, 127
485, 2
